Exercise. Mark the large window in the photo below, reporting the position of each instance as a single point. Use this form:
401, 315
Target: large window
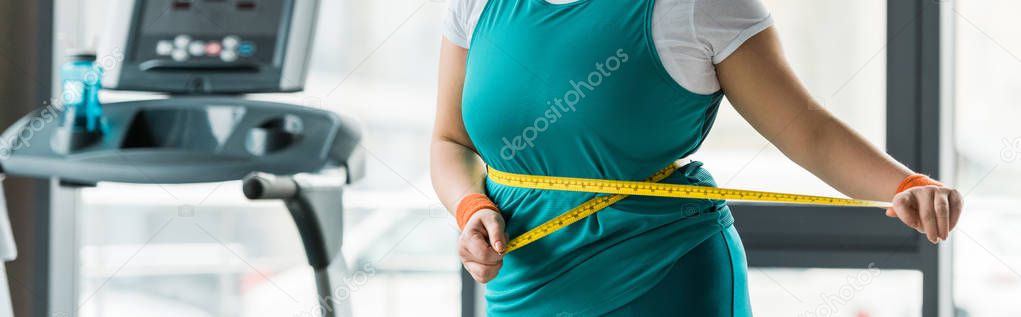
838, 49
987, 271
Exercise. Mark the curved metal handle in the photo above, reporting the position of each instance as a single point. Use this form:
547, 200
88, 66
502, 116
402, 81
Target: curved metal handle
268, 186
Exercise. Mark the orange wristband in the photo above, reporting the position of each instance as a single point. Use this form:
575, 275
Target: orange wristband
917, 180
471, 204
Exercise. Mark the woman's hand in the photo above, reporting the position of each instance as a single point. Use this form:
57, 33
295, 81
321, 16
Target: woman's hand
931, 210
482, 244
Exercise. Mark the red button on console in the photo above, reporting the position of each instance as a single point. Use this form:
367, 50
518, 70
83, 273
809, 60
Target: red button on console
213, 48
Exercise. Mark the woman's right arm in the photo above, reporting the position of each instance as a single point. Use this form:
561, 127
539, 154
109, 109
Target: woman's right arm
457, 171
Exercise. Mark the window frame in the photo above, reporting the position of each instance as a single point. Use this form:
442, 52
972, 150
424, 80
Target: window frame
834, 237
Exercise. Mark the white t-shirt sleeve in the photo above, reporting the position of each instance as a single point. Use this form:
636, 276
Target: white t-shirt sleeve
692, 36
461, 19
723, 25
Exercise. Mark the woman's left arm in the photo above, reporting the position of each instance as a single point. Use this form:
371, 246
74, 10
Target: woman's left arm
758, 81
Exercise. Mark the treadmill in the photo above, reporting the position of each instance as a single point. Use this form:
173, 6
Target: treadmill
205, 131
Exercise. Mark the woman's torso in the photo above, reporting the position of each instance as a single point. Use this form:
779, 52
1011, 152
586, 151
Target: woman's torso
579, 90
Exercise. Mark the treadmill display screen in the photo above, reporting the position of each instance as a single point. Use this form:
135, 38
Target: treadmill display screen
209, 32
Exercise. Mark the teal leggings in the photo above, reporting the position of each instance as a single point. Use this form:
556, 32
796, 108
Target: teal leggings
711, 281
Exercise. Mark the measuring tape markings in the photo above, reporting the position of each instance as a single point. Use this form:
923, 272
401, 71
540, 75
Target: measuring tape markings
569, 217
619, 190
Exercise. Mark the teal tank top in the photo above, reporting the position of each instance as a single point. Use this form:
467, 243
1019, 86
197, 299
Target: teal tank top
578, 90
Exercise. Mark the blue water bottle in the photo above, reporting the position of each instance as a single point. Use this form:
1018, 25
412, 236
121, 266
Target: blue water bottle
81, 81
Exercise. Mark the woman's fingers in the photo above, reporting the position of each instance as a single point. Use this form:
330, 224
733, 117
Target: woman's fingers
481, 272
479, 258
941, 205
906, 210
932, 210
494, 225
480, 251
956, 205
926, 212
891, 213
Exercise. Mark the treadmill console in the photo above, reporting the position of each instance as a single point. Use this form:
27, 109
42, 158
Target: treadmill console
208, 46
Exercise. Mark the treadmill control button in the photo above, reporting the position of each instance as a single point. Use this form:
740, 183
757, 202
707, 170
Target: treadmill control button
246, 49
180, 55
181, 41
213, 49
231, 42
228, 56
164, 47
197, 48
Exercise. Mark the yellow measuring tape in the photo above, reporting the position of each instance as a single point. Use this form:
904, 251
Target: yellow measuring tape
649, 187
